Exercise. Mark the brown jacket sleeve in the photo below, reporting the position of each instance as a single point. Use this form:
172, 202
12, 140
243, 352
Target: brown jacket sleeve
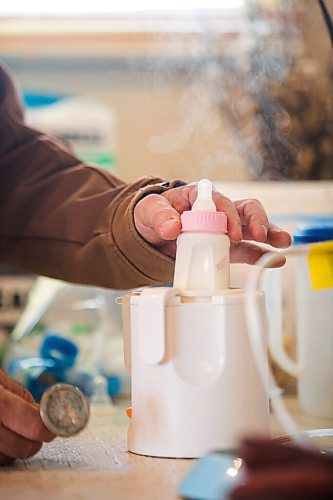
65, 219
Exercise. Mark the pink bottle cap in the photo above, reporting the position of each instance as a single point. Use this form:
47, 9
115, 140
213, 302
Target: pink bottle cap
206, 222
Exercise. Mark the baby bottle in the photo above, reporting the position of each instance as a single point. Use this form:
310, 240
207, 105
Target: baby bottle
195, 386
202, 260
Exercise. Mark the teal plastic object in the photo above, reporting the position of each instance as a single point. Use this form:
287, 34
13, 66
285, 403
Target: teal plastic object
212, 477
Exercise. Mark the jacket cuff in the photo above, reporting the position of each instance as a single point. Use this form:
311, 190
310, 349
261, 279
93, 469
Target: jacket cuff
154, 266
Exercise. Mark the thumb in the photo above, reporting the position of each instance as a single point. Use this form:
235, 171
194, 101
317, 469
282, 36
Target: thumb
156, 220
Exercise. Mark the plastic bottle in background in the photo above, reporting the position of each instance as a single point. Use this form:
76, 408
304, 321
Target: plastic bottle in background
203, 247
85, 124
314, 306
314, 320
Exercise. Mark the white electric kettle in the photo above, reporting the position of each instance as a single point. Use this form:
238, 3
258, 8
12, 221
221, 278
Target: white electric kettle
195, 384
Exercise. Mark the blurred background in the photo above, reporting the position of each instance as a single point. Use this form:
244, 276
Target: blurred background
237, 91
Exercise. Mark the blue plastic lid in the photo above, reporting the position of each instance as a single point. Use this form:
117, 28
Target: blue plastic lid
313, 233
63, 351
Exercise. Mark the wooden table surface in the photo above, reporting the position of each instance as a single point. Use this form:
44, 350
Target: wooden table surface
95, 464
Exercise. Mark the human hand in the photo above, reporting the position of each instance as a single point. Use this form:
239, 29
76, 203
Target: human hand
274, 470
22, 431
157, 219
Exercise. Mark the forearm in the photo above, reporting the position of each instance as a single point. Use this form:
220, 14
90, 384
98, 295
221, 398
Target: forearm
68, 220
82, 232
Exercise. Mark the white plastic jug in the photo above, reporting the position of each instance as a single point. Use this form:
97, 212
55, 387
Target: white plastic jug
314, 319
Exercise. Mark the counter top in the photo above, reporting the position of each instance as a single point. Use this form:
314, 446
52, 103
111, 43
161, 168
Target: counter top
96, 464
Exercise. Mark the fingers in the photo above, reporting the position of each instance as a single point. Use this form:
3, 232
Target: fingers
22, 418
247, 218
277, 237
254, 219
157, 217
223, 204
279, 471
15, 387
260, 453
156, 220
183, 198
257, 227
14, 446
308, 482
4, 460
22, 431
250, 253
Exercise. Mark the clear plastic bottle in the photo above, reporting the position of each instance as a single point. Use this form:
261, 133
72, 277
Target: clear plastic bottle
203, 247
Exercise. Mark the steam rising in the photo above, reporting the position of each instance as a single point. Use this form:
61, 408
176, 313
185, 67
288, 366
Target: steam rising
230, 82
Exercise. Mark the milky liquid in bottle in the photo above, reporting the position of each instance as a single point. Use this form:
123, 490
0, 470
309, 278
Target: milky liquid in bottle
203, 247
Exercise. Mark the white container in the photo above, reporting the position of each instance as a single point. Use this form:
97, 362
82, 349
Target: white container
314, 319
195, 384
202, 259
315, 344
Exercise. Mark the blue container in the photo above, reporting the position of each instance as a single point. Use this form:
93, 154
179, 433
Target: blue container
313, 233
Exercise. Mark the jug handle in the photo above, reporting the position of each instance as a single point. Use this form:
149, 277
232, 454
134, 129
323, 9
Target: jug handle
280, 355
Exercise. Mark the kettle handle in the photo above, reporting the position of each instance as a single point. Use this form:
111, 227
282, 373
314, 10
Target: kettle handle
280, 355
272, 285
151, 322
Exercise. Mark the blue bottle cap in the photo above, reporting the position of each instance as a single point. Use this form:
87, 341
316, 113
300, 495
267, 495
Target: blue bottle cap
312, 233
63, 351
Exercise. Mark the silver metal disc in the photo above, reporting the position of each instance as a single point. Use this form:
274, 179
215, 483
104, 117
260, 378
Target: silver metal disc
64, 410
